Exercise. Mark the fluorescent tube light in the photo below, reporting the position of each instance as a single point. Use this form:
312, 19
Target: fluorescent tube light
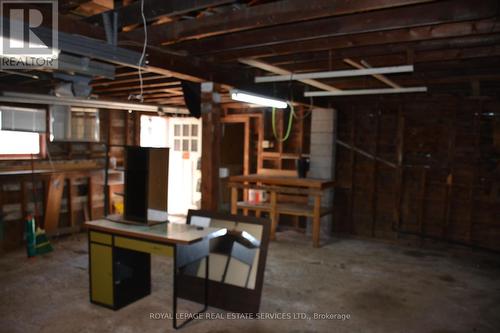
256, 99
366, 92
335, 74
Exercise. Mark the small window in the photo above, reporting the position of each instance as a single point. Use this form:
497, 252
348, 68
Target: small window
177, 145
194, 130
26, 143
185, 130
18, 144
177, 130
185, 145
194, 145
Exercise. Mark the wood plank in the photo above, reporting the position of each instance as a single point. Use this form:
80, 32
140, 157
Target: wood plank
276, 70
71, 197
382, 20
255, 17
284, 181
273, 215
421, 201
153, 9
53, 207
316, 224
375, 166
399, 188
353, 160
293, 209
380, 77
441, 36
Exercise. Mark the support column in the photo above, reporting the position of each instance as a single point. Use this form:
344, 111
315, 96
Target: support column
322, 158
210, 151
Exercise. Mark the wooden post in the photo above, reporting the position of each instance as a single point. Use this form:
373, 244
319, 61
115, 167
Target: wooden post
450, 164
90, 198
234, 200
353, 172
210, 152
472, 191
274, 215
24, 201
374, 177
316, 220
71, 208
400, 169
421, 200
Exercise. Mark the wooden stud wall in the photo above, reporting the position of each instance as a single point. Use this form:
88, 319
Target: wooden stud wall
441, 179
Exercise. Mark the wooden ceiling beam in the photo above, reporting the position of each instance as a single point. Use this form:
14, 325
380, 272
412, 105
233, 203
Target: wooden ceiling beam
145, 78
276, 70
153, 9
162, 62
146, 92
427, 50
270, 14
390, 59
382, 78
145, 86
434, 20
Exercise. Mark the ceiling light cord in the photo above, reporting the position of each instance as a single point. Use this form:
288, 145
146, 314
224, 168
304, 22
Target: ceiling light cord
140, 97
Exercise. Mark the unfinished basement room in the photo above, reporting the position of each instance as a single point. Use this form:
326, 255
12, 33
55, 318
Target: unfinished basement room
250, 166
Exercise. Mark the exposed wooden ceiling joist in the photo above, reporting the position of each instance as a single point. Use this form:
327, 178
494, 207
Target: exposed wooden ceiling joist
159, 62
131, 14
145, 86
380, 77
265, 15
276, 70
145, 78
377, 22
427, 50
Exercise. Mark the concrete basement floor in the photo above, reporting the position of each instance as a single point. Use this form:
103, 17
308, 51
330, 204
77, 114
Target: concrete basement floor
383, 287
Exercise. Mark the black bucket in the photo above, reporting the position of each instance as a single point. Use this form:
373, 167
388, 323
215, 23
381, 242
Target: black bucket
302, 167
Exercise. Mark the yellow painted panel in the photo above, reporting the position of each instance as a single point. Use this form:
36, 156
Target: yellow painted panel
100, 237
101, 269
143, 246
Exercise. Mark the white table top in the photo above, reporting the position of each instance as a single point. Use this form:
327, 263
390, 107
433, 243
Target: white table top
169, 233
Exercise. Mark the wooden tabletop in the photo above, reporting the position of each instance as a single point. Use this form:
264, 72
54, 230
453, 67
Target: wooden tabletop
8, 173
315, 183
168, 233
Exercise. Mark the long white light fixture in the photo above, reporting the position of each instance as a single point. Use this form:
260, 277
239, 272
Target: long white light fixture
335, 74
251, 98
365, 92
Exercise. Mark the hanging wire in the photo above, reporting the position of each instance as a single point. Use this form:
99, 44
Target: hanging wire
140, 97
289, 127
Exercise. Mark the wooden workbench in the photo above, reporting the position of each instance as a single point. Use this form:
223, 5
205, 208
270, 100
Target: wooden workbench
283, 185
53, 181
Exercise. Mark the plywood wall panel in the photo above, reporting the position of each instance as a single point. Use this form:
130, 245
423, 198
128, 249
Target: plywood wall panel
451, 140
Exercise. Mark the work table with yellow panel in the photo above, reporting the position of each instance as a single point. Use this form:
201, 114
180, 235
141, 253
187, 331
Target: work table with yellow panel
120, 257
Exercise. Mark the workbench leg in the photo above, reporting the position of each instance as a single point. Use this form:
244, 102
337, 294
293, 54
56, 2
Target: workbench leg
274, 215
234, 200
316, 220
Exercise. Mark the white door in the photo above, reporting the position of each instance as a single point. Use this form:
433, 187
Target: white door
184, 184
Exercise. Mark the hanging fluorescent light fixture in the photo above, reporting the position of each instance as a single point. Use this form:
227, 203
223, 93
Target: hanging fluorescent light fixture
251, 98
